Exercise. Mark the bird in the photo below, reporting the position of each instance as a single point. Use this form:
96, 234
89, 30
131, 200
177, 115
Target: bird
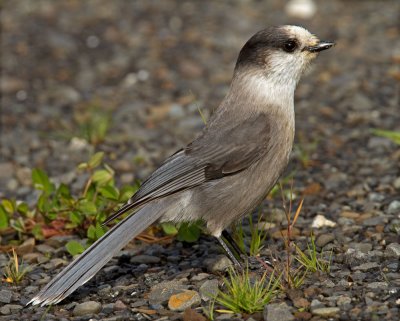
228, 169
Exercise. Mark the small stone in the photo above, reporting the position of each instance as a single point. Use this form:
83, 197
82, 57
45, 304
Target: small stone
393, 250
145, 259
200, 277
31, 257
43, 248
321, 221
343, 301
324, 239
396, 183
26, 247
367, 266
10, 308
316, 304
362, 247
301, 303
87, 308
5, 296
209, 289
119, 305
304, 9
183, 300
377, 285
394, 207
192, 315
326, 312
54, 264
354, 257
277, 312
219, 264
161, 292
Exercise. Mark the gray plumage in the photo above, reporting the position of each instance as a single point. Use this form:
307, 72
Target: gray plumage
225, 172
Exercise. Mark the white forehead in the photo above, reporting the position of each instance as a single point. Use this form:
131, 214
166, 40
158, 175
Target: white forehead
299, 32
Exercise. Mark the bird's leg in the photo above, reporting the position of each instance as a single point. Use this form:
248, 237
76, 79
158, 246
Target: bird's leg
229, 252
242, 254
229, 239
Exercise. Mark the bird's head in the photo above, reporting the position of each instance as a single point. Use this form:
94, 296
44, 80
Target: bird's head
281, 53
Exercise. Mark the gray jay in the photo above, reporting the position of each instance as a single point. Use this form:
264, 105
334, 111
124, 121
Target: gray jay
229, 168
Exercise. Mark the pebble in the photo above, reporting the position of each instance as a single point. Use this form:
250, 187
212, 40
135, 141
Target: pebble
161, 292
394, 207
321, 221
354, 257
145, 259
218, 264
87, 308
5, 296
367, 266
324, 239
393, 250
10, 308
184, 300
396, 183
377, 285
304, 9
277, 312
119, 305
209, 289
326, 312
200, 277
26, 247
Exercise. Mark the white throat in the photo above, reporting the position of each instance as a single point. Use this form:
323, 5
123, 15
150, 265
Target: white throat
264, 92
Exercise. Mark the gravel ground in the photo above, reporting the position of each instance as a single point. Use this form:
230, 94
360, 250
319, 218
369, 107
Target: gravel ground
152, 64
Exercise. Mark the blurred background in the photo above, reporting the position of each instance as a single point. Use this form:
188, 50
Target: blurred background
129, 78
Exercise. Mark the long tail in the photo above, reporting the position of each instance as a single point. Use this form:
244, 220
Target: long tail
96, 256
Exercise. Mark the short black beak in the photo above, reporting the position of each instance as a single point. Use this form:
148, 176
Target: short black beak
323, 45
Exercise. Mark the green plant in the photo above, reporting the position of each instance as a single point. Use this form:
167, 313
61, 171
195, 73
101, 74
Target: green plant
244, 293
94, 123
58, 210
209, 311
394, 136
294, 277
311, 260
186, 232
255, 239
14, 272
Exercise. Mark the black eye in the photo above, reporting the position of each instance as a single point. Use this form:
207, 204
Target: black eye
290, 46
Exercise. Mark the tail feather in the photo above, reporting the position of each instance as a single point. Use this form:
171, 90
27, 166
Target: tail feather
96, 256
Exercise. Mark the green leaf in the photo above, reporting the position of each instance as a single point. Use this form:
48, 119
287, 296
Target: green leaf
189, 232
3, 218
100, 230
23, 208
83, 166
63, 191
96, 159
76, 217
37, 232
87, 207
394, 136
43, 203
102, 176
41, 181
169, 228
8, 206
74, 248
109, 192
91, 232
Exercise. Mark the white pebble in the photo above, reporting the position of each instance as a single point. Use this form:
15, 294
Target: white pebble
304, 9
321, 221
